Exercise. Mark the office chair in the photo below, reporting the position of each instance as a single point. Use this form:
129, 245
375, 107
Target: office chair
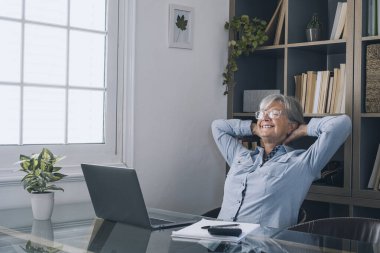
352, 228
213, 213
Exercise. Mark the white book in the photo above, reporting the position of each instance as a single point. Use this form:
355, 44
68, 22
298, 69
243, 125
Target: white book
341, 22
375, 170
324, 91
317, 92
304, 91
343, 85
334, 91
336, 20
330, 89
340, 88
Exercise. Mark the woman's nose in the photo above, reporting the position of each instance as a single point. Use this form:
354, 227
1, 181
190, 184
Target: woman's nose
266, 116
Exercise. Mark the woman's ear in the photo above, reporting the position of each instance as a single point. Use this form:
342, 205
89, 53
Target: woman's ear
292, 126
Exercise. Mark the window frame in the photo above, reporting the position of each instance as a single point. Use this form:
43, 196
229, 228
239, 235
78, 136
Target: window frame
110, 152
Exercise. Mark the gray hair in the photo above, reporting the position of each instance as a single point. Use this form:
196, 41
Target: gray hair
292, 107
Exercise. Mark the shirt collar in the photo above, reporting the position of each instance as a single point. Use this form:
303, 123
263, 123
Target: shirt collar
282, 148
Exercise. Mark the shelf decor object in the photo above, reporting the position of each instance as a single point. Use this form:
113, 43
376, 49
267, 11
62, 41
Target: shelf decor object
372, 99
181, 25
252, 99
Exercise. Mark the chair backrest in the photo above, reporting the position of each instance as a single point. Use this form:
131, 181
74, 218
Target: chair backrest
353, 228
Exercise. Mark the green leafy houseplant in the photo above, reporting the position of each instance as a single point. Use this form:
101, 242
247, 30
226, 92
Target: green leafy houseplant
314, 23
40, 171
247, 34
313, 28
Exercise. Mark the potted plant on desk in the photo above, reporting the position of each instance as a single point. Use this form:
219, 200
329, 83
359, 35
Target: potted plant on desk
40, 173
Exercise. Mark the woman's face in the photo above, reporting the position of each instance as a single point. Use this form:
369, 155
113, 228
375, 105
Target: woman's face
274, 126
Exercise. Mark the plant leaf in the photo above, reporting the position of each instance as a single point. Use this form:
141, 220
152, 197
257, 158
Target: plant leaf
40, 171
181, 22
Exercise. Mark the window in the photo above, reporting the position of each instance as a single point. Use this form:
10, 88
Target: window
58, 79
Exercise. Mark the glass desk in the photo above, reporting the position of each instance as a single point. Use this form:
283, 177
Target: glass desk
74, 228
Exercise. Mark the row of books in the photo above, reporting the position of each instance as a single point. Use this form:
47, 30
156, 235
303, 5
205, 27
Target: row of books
374, 181
339, 26
373, 22
322, 91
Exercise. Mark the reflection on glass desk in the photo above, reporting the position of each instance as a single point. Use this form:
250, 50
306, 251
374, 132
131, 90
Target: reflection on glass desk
74, 228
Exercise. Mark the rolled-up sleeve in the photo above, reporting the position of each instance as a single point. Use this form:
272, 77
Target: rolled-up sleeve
226, 133
331, 133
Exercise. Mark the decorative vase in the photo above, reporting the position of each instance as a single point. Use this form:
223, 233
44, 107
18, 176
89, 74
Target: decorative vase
312, 34
42, 205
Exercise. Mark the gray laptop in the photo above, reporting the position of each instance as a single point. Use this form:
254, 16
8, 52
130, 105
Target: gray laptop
116, 195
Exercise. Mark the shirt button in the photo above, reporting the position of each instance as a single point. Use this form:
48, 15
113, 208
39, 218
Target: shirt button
239, 201
238, 161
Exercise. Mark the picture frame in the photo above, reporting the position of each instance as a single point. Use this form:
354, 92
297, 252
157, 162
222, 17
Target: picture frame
181, 23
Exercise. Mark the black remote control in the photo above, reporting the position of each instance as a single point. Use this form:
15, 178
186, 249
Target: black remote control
224, 231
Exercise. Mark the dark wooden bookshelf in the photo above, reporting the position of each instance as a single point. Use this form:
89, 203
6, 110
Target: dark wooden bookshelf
274, 67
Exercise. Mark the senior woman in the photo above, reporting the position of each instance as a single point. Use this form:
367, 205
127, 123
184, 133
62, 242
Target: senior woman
268, 185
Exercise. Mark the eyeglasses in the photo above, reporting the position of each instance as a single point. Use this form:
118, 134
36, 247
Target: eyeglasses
273, 114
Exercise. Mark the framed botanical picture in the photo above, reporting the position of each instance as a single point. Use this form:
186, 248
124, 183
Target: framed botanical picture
181, 22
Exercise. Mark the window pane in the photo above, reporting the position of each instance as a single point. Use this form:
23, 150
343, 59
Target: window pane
86, 59
45, 55
10, 114
85, 123
50, 11
90, 14
10, 8
44, 115
10, 51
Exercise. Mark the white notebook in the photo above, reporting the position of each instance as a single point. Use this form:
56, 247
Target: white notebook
196, 232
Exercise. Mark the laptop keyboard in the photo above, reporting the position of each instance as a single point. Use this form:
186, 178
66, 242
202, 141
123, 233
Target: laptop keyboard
154, 221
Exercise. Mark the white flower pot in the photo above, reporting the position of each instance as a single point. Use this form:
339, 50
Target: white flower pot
42, 205
43, 229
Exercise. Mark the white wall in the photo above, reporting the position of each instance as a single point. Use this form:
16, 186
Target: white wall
178, 92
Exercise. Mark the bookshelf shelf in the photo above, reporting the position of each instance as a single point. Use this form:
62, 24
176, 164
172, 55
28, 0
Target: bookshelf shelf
370, 115
306, 115
318, 115
317, 43
274, 67
272, 47
369, 38
243, 114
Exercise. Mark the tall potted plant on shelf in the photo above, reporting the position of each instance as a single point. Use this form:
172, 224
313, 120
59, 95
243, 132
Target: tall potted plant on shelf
246, 35
40, 174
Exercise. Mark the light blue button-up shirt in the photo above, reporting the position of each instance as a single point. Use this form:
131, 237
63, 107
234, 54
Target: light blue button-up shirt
271, 193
